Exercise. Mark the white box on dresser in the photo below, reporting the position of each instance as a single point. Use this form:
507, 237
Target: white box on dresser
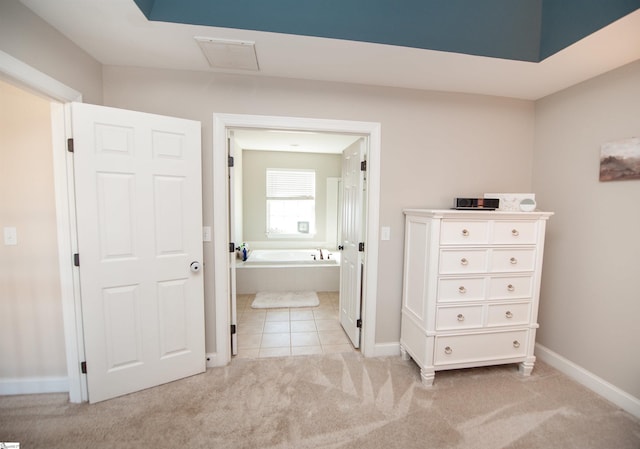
471, 287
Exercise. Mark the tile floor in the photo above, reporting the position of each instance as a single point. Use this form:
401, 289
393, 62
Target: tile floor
290, 331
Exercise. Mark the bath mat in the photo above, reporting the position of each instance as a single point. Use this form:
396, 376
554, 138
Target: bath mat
274, 300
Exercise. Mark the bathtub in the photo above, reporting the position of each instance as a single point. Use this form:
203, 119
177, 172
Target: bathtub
292, 257
287, 270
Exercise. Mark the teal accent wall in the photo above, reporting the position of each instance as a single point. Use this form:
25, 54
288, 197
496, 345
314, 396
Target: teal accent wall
565, 22
526, 30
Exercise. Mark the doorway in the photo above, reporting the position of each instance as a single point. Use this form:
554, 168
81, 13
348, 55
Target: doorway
24, 75
280, 179
221, 227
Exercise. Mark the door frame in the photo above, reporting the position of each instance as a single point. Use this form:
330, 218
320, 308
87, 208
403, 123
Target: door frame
223, 122
59, 94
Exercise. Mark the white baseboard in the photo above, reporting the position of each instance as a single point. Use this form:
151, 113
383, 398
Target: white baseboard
600, 386
213, 360
34, 385
386, 349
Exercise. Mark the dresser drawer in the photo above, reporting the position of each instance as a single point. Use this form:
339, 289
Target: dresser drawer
463, 317
505, 287
516, 232
509, 259
461, 289
460, 261
459, 232
454, 349
511, 314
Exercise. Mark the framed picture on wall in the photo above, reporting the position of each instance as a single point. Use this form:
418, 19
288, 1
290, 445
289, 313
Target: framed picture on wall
620, 160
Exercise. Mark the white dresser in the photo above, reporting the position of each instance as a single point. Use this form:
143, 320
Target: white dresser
471, 286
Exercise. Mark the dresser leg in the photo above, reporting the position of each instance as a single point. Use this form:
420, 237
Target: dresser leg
427, 374
404, 354
525, 368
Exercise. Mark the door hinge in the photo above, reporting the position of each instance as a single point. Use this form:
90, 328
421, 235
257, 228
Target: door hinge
70, 145
233, 329
232, 247
83, 367
359, 322
363, 166
230, 161
76, 260
361, 246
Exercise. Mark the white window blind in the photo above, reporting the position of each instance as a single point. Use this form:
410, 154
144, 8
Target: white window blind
292, 184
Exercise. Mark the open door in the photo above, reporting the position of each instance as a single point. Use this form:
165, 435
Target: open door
233, 243
139, 223
352, 241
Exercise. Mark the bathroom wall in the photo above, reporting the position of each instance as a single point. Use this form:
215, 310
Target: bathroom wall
255, 164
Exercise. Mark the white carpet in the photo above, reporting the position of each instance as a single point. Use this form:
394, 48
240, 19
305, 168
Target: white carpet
274, 300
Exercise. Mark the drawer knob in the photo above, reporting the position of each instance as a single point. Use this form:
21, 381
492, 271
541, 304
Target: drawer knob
465, 232
464, 261
461, 289
508, 314
510, 287
513, 261
515, 233
460, 317
448, 350
516, 344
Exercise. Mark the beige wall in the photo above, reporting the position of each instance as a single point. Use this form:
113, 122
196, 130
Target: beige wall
590, 298
27, 37
254, 166
435, 146
31, 329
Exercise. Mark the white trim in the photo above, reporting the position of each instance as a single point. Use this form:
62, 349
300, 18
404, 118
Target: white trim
213, 360
370, 293
222, 122
63, 187
387, 349
600, 386
220, 238
34, 385
63, 190
35, 79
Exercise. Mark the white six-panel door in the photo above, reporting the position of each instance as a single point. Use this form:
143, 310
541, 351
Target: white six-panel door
139, 223
350, 264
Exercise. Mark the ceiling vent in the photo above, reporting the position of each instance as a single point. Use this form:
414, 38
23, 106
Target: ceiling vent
229, 54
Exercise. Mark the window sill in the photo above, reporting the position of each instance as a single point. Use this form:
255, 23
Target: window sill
291, 236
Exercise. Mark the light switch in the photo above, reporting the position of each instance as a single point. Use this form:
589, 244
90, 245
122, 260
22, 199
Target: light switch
385, 233
206, 234
10, 236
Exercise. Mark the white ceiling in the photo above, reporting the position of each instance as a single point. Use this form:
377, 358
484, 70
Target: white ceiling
296, 141
115, 32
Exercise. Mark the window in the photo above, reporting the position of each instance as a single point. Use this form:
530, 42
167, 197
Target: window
291, 203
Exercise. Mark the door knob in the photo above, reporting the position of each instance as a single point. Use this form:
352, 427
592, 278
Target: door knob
195, 266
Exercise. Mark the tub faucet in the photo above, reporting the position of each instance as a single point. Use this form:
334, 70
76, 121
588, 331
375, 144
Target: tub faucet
321, 256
